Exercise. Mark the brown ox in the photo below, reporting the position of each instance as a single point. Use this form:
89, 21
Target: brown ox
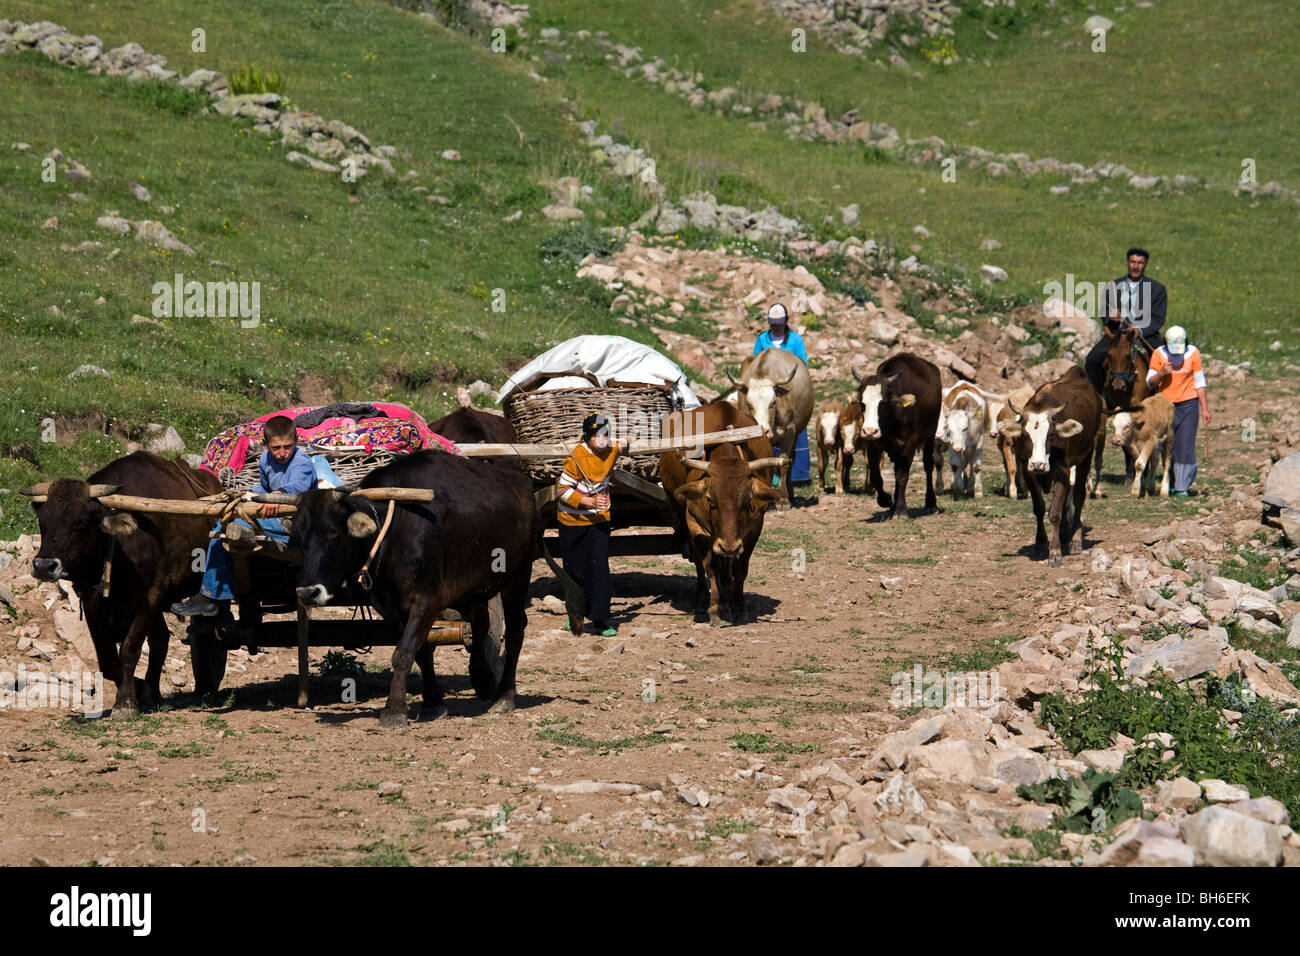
147, 561
999, 413
1055, 435
719, 503
900, 410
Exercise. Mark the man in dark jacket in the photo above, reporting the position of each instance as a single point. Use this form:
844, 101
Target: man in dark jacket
1131, 301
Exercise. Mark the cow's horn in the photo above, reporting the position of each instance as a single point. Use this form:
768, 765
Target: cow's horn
99, 491
41, 489
691, 463
856, 377
793, 372
767, 463
734, 381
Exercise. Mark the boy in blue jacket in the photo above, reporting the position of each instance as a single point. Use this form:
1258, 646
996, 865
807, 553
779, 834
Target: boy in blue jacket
284, 467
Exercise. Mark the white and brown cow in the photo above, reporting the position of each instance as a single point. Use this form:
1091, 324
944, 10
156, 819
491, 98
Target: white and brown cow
962, 419
1055, 434
776, 389
828, 443
852, 441
1142, 434
900, 413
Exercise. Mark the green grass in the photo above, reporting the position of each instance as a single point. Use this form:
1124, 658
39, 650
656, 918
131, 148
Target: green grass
362, 298
762, 743
566, 736
1259, 753
367, 289
383, 853
1258, 569
1199, 115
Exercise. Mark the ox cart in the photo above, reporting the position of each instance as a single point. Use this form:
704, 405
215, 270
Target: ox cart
265, 570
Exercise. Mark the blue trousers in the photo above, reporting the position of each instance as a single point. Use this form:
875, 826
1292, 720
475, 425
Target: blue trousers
1187, 416
219, 569
801, 470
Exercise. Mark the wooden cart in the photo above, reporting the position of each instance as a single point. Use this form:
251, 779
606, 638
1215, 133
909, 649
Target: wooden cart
265, 574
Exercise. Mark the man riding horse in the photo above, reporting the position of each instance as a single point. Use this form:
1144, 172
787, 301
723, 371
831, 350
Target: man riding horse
1131, 302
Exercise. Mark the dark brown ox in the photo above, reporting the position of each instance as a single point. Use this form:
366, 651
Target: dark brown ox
474, 541
719, 503
1055, 434
147, 561
469, 425
900, 409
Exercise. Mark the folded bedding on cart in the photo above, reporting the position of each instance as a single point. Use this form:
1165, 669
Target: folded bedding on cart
604, 357
372, 426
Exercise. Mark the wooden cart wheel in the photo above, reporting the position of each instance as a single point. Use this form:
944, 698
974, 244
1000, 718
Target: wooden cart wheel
487, 653
208, 662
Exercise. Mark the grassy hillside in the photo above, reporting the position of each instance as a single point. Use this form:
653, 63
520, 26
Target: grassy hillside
370, 291
363, 285
1183, 88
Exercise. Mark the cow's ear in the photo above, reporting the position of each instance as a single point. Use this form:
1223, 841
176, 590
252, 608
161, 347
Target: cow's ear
361, 525
1011, 429
1069, 428
119, 524
763, 491
691, 491
907, 399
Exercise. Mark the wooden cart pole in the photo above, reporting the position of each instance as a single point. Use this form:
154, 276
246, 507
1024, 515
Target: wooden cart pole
639, 447
303, 662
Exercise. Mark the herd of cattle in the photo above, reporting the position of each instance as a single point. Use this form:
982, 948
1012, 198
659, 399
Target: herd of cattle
477, 539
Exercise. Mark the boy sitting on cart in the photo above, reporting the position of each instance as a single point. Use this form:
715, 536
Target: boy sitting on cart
284, 467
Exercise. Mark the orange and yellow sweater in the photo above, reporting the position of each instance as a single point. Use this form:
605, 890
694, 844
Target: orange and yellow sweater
585, 474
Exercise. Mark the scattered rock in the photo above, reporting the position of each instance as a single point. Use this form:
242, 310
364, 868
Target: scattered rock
83, 370
1216, 791
1223, 837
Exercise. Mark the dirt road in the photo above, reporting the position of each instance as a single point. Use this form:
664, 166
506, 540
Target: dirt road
668, 736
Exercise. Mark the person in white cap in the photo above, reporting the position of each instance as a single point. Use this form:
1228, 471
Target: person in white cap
1176, 373
779, 335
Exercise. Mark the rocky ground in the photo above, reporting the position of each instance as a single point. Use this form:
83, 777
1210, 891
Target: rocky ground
772, 742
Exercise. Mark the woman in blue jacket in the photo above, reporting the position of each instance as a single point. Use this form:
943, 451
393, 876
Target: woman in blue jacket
779, 335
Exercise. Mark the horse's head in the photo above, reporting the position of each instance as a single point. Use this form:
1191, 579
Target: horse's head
1121, 363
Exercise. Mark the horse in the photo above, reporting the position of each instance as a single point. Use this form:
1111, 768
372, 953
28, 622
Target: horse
1125, 386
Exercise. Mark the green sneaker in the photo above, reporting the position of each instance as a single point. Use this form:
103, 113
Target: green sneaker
605, 629
1180, 494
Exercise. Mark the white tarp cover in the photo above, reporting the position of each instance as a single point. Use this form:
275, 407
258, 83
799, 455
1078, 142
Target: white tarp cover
606, 357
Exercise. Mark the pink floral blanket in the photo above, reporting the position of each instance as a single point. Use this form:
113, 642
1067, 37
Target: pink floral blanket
401, 431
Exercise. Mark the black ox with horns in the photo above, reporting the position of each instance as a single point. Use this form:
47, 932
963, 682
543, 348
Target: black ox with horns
473, 541
124, 568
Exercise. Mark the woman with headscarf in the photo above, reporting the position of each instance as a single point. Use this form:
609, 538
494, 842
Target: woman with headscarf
1176, 373
779, 335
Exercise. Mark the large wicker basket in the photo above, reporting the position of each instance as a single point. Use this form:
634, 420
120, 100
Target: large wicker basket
351, 463
541, 417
